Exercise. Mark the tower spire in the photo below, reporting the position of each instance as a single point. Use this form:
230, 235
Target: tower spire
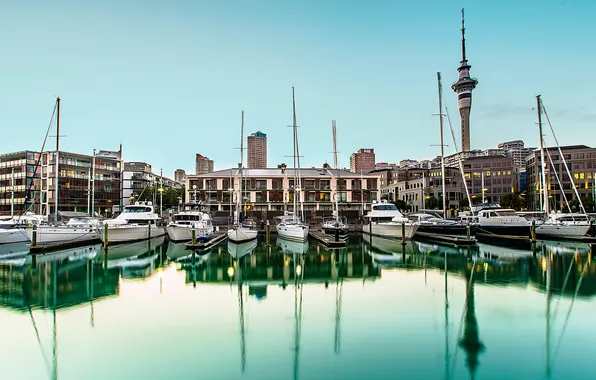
463, 87
463, 37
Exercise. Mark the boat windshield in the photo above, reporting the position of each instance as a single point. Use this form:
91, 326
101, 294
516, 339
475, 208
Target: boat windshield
179, 218
137, 209
387, 206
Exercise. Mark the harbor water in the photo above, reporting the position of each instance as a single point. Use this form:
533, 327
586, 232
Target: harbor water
373, 310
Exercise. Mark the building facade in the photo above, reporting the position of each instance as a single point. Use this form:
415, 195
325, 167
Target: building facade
257, 150
272, 189
490, 177
84, 182
581, 161
139, 175
464, 87
203, 164
417, 186
362, 161
20, 173
180, 176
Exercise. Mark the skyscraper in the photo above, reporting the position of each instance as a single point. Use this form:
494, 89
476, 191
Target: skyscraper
363, 160
257, 150
180, 176
463, 87
204, 164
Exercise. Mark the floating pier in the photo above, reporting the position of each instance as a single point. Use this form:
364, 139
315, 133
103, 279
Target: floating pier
327, 240
444, 239
215, 238
43, 248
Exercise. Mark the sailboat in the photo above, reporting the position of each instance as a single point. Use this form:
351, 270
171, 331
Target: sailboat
292, 225
334, 225
557, 224
76, 229
242, 230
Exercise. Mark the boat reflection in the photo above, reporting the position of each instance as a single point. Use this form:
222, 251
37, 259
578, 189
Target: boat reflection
135, 260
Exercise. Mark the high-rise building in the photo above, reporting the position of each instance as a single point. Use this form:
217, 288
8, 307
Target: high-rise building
19, 175
463, 87
203, 164
362, 161
137, 176
180, 176
516, 150
257, 150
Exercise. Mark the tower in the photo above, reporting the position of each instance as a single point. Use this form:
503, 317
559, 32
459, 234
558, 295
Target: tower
257, 150
463, 87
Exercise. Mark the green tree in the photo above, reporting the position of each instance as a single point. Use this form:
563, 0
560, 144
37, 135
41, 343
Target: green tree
513, 200
588, 203
464, 204
401, 204
432, 203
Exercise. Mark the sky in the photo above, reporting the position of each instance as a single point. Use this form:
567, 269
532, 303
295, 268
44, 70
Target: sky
169, 79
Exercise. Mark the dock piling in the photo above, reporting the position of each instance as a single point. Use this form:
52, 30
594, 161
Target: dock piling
268, 234
468, 231
34, 236
403, 233
193, 236
149, 230
105, 237
533, 231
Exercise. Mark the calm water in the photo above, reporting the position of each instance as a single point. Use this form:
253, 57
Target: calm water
150, 311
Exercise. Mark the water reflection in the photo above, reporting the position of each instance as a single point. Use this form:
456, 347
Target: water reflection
83, 277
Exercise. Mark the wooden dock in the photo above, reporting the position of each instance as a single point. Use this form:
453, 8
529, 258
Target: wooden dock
43, 248
444, 239
216, 238
327, 240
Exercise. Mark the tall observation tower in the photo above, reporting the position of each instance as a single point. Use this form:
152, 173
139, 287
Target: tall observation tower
463, 87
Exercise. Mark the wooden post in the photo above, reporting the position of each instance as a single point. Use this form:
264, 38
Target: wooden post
149, 230
533, 231
468, 231
105, 236
403, 233
34, 236
268, 234
336, 235
193, 237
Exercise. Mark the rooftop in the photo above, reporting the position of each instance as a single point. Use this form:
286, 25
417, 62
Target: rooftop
278, 172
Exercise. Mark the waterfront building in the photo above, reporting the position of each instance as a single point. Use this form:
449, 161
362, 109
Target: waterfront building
81, 184
490, 177
139, 175
257, 150
203, 164
19, 172
271, 189
362, 161
417, 185
464, 87
180, 176
581, 161
407, 163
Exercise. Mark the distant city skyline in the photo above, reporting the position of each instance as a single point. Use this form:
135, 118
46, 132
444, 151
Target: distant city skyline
173, 77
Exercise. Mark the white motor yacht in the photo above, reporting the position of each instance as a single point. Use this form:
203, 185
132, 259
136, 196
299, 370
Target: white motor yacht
136, 222
564, 225
502, 222
385, 220
180, 229
290, 227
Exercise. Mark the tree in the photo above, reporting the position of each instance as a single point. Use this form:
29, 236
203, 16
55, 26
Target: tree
431, 203
401, 204
171, 196
464, 204
513, 200
588, 203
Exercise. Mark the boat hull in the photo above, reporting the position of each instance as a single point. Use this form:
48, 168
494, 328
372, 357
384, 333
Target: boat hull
13, 235
521, 231
241, 235
184, 233
62, 234
392, 230
296, 232
128, 233
457, 229
561, 230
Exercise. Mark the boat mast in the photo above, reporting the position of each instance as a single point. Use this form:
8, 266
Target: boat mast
442, 146
545, 205
336, 167
12, 194
239, 207
296, 162
57, 158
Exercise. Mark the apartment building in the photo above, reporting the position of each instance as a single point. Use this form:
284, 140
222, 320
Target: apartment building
20, 174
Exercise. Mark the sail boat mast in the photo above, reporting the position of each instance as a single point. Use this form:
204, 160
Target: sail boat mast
336, 167
442, 146
57, 158
239, 210
296, 161
545, 205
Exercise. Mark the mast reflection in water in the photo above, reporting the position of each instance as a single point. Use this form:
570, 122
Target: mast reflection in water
370, 310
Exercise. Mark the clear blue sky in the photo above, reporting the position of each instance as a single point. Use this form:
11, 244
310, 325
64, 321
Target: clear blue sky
169, 79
